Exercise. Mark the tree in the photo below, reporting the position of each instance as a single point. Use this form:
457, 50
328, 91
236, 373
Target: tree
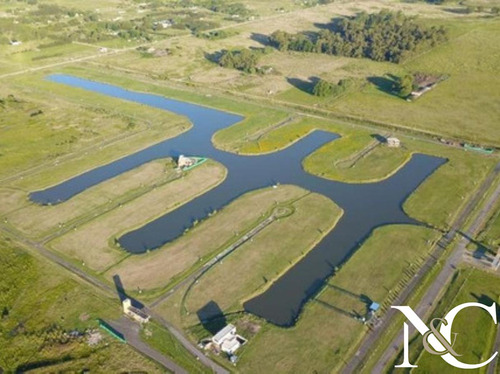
404, 85
323, 88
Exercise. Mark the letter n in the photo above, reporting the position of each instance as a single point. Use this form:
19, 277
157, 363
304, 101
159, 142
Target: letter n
406, 350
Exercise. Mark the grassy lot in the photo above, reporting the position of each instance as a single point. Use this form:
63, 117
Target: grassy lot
165, 343
440, 197
74, 131
465, 106
490, 235
92, 243
39, 305
324, 335
157, 268
268, 255
36, 220
475, 329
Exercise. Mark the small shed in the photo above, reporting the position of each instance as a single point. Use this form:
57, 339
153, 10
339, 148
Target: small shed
393, 142
133, 312
374, 307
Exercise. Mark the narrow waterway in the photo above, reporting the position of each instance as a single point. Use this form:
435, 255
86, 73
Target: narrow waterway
366, 206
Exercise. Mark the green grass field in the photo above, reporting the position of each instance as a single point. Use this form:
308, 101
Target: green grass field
175, 260
40, 305
474, 327
35, 220
93, 242
268, 254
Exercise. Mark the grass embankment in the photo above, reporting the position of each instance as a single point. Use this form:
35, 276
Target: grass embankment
157, 268
263, 259
324, 334
38, 221
92, 243
68, 136
39, 305
474, 327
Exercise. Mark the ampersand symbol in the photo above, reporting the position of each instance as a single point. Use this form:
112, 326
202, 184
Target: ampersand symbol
442, 340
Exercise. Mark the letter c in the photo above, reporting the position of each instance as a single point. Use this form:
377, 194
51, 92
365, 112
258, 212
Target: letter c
445, 331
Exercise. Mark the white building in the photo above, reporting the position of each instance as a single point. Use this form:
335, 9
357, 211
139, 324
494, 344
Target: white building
227, 340
134, 312
393, 142
184, 162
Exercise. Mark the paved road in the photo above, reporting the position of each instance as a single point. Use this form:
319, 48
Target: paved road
427, 302
130, 330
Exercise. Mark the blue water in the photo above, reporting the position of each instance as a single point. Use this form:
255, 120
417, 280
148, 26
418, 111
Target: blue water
366, 206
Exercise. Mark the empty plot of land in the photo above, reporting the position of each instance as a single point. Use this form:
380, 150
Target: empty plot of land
326, 332
36, 220
92, 243
59, 131
259, 261
156, 269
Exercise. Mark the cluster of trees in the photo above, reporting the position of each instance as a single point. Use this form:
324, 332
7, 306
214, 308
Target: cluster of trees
244, 59
383, 36
233, 9
323, 88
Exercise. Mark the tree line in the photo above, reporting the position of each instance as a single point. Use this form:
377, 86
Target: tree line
384, 36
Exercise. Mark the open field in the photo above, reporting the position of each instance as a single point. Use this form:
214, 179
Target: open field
159, 267
93, 243
39, 306
465, 106
76, 130
37, 220
474, 327
268, 255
